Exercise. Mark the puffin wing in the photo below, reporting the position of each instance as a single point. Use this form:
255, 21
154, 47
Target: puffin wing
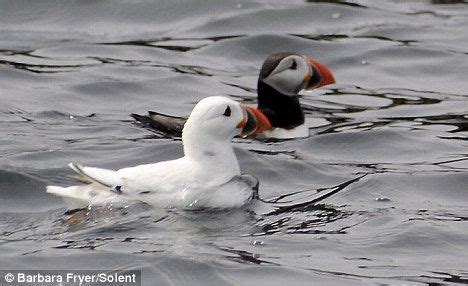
168, 124
250, 181
108, 186
105, 177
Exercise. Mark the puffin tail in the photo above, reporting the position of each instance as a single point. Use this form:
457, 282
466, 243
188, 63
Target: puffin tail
143, 119
166, 124
102, 186
73, 196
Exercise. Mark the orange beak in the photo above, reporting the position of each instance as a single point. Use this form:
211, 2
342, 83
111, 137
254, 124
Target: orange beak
321, 75
254, 121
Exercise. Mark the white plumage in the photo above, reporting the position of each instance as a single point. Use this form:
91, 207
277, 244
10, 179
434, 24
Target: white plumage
207, 176
301, 131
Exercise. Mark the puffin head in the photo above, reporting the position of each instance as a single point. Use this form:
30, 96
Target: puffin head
221, 118
282, 77
290, 73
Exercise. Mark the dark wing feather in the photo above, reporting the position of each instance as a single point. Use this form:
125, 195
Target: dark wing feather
168, 124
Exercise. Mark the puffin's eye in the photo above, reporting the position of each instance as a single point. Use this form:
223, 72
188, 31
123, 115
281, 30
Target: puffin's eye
227, 111
293, 65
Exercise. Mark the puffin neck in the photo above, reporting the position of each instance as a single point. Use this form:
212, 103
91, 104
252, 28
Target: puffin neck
210, 153
283, 111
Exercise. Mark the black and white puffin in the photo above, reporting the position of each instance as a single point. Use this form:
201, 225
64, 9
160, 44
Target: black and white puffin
282, 77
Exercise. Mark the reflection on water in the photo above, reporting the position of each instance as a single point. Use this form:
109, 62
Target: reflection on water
447, 1
376, 194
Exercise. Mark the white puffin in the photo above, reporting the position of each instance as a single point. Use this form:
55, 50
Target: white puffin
281, 78
208, 176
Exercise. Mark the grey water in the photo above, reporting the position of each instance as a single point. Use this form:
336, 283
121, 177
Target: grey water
377, 195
